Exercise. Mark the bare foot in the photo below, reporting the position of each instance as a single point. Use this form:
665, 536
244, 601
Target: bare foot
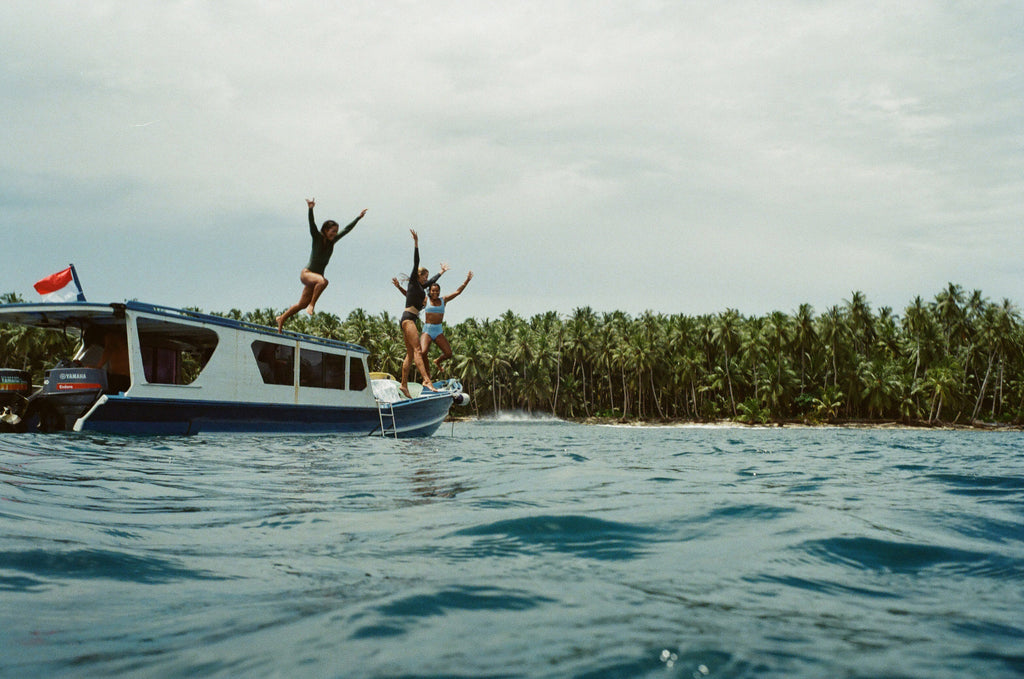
280, 324
310, 310
405, 390
429, 387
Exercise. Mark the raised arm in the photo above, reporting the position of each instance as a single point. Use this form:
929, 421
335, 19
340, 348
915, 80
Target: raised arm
399, 286
415, 256
313, 231
444, 267
350, 226
458, 291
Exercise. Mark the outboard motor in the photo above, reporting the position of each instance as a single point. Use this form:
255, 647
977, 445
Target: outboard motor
461, 399
15, 386
67, 393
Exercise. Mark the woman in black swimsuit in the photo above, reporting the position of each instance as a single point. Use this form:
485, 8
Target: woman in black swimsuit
312, 277
414, 298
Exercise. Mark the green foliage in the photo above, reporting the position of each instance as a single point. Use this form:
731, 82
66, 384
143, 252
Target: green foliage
826, 406
752, 411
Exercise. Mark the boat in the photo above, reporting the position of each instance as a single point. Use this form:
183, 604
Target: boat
187, 372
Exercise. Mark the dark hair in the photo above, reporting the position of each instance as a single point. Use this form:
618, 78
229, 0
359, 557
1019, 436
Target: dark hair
432, 287
328, 224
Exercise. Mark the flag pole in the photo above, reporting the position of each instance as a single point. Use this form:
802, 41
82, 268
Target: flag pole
78, 284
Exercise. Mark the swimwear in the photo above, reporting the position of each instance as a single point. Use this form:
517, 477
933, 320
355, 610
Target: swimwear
414, 294
408, 316
322, 249
433, 329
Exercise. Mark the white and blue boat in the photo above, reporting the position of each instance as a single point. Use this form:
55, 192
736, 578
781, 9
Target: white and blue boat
190, 372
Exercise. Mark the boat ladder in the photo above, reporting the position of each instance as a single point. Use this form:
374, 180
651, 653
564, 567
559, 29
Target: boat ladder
386, 409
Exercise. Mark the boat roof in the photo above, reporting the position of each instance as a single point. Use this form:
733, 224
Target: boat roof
72, 315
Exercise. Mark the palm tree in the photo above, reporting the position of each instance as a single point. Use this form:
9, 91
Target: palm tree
751, 352
882, 385
727, 334
948, 307
804, 338
861, 322
1007, 331
831, 332
580, 337
941, 383
828, 404
778, 334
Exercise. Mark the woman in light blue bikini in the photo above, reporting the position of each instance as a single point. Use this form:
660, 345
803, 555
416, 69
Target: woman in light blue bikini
433, 318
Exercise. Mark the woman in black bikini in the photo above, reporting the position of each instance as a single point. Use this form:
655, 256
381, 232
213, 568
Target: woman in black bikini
414, 298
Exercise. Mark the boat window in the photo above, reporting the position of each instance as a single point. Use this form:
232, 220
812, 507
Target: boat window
174, 353
311, 368
334, 371
358, 378
276, 362
321, 370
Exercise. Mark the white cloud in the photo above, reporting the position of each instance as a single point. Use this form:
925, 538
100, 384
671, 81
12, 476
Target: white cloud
671, 156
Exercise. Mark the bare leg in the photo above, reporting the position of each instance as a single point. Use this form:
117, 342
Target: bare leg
307, 294
446, 350
406, 364
319, 285
410, 334
412, 348
421, 365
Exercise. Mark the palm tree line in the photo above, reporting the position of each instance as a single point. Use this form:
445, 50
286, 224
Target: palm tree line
957, 358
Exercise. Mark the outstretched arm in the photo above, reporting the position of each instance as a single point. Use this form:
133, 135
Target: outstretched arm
350, 226
444, 267
415, 255
399, 286
458, 291
312, 222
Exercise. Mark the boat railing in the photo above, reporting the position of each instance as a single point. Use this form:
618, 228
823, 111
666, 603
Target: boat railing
227, 322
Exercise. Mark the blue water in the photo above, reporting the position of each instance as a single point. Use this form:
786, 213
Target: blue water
515, 549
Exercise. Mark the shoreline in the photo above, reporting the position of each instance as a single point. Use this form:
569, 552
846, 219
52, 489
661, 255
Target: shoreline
520, 416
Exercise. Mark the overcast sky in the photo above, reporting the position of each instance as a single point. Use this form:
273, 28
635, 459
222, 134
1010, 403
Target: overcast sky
681, 157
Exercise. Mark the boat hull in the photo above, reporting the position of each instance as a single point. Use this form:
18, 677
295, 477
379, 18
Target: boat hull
147, 416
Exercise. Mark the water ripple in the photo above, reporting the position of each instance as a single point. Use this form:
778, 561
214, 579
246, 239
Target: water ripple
978, 486
98, 563
576, 535
399, 614
903, 557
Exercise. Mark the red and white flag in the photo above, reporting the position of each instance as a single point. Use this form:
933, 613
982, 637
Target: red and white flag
57, 287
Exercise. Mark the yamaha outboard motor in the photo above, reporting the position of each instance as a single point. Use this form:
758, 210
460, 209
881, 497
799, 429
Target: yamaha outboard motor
66, 395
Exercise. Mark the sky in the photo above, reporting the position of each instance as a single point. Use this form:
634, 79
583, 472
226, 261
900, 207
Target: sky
674, 157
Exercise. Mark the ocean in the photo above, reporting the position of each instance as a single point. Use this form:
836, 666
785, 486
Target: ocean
515, 547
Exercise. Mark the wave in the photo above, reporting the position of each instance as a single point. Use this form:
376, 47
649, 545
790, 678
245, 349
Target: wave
91, 564
904, 557
580, 536
516, 416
